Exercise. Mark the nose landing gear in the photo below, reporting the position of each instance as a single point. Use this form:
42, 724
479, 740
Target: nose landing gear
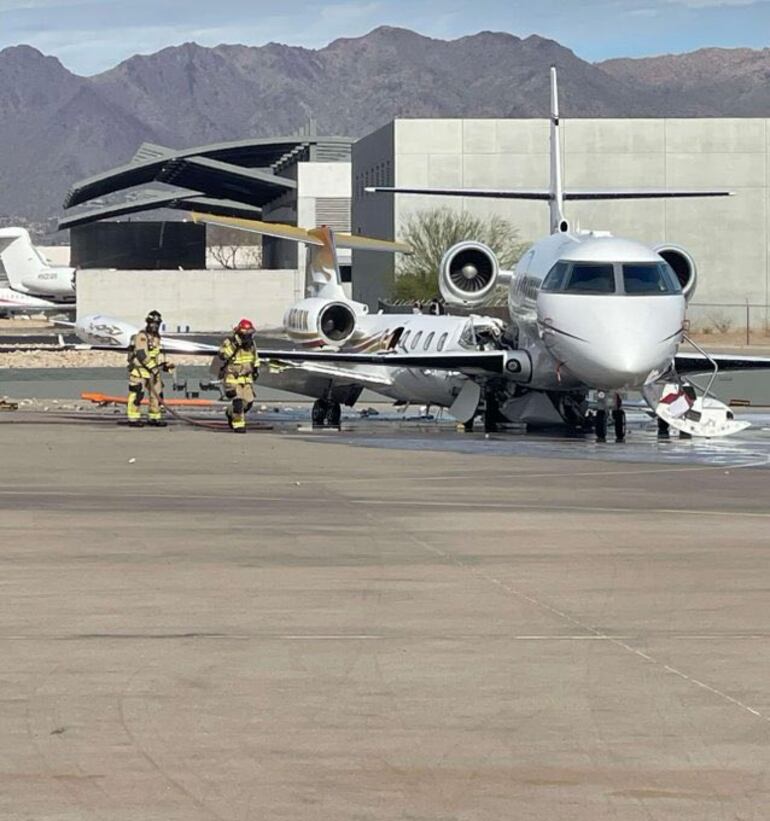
618, 419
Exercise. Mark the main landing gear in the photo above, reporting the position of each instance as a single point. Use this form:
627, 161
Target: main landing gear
618, 420
326, 414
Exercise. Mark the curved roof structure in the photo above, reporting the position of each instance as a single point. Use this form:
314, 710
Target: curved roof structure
233, 178
178, 200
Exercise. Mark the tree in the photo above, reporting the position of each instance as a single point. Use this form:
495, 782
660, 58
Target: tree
432, 232
233, 247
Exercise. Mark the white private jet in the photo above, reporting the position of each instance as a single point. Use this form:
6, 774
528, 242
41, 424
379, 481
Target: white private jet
328, 321
593, 312
31, 275
590, 315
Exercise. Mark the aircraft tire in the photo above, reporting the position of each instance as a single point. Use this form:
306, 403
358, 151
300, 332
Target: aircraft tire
491, 413
318, 414
619, 422
333, 414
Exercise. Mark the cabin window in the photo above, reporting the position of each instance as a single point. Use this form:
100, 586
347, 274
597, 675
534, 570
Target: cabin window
428, 340
416, 340
649, 278
442, 341
591, 278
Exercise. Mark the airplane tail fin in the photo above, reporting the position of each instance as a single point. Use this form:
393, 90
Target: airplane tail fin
556, 192
323, 268
555, 196
20, 259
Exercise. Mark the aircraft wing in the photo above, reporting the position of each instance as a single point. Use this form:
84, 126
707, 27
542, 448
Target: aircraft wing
471, 363
697, 363
310, 236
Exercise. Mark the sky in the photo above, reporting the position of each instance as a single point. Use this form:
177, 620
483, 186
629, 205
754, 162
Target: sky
90, 36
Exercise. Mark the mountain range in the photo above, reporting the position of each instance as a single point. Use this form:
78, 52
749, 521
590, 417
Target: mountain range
57, 127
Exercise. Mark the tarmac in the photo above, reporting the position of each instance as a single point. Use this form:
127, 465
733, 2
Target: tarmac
289, 625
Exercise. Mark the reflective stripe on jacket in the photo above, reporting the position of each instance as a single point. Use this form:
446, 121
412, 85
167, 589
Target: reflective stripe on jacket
238, 364
145, 356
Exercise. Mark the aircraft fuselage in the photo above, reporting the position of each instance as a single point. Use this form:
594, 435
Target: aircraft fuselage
608, 311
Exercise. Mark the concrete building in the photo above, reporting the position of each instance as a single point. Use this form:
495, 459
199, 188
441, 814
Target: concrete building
300, 180
211, 300
729, 238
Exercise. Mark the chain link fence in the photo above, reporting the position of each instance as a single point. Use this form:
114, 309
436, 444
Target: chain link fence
730, 323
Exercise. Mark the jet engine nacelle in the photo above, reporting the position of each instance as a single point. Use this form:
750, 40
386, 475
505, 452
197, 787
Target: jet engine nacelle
326, 320
468, 274
683, 266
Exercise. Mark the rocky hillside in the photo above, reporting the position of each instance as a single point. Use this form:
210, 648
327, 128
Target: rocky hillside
56, 127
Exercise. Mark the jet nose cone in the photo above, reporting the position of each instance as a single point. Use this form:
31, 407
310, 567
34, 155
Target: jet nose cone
621, 364
612, 342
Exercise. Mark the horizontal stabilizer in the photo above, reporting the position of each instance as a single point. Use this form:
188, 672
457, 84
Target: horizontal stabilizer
643, 194
510, 194
546, 196
310, 236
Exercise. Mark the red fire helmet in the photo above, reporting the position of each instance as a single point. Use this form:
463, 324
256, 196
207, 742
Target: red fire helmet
245, 326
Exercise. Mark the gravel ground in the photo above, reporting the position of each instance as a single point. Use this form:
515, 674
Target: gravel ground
50, 358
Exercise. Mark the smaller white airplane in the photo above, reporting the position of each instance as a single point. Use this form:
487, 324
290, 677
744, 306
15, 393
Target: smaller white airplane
29, 273
12, 302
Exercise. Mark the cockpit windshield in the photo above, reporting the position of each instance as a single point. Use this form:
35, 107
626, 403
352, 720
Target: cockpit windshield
629, 278
650, 278
591, 278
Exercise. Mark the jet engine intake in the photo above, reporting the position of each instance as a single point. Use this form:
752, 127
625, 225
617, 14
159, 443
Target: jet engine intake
313, 320
336, 322
683, 265
468, 274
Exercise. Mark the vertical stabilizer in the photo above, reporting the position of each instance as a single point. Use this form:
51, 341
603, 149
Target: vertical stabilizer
558, 221
20, 258
323, 270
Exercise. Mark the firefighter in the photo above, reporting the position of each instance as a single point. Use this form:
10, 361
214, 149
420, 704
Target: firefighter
239, 370
146, 361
